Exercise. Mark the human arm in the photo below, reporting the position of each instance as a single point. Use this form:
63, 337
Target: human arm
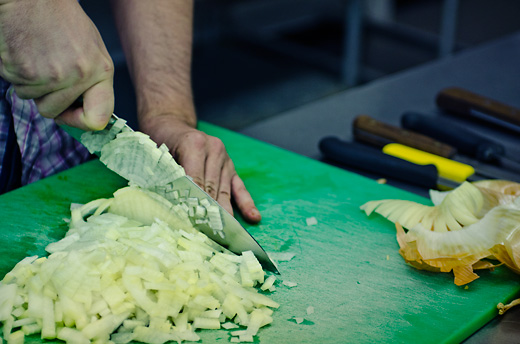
157, 40
52, 52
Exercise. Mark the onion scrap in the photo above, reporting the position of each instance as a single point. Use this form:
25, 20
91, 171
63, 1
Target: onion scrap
461, 232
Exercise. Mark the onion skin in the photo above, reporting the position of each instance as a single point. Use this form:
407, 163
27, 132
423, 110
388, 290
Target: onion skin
464, 230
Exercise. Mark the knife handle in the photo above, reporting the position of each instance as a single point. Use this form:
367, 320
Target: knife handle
471, 105
375, 161
466, 142
449, 169
369, 130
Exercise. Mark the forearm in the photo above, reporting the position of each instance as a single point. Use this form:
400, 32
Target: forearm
157, 40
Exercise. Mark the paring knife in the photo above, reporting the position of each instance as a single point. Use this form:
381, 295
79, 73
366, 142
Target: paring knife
466, 142
235, 237
373, 160
464, 103
382, 135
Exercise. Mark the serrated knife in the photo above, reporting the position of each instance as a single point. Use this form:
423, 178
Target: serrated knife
232, 236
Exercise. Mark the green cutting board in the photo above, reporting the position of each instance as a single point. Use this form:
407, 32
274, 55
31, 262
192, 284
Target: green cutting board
347, 266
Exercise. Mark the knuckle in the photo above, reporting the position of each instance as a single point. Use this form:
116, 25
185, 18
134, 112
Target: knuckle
198, 181
224, 194
216, 144
83, 68
210, 187
197, 140
56, 74
27, 73
24, 72
108, 66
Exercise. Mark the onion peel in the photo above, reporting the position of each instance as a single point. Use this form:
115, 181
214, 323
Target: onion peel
462, 267
460, 207
463, 230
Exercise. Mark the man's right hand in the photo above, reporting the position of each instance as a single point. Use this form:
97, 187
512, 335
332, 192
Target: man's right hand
52, 52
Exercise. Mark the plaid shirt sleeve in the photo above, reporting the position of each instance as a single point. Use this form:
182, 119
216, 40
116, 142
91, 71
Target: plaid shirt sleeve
45, 148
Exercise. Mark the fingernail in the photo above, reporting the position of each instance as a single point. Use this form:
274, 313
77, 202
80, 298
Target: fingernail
254, 212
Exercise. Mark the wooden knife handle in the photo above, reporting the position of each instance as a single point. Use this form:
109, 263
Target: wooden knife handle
465, 103
369, 130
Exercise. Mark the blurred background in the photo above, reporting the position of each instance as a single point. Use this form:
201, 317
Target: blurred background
254, 59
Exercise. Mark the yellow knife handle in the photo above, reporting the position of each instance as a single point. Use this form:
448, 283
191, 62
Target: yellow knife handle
449, 169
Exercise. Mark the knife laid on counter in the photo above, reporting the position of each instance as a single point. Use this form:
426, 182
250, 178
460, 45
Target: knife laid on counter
464, 103
447, 168
228, 232
466, 141
365, 158
400, 143
377, 133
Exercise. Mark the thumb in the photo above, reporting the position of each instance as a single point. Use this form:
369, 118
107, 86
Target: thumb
97, 107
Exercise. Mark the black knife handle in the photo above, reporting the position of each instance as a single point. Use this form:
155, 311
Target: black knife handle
466, 142
375, 161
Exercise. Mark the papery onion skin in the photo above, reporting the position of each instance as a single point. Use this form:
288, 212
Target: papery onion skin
466, 226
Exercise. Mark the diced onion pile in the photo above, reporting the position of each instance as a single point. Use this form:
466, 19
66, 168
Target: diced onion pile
462, 230
113, 278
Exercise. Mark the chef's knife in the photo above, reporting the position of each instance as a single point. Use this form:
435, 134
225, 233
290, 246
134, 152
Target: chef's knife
464, 103
235, 237
373, 160
369, 130
466, 142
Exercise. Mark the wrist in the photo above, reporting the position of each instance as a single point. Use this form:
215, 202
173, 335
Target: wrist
154, 122
165, 105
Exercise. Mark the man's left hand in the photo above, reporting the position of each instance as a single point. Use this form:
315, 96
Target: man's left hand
205, 159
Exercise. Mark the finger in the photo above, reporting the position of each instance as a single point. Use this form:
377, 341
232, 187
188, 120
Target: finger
54, 103
30, 91
215, 163
244, 201
224, 192
98, 105
95, 111
191, 155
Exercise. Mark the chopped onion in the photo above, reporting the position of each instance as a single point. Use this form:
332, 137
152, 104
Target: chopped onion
115, 278
281, 256
311, 221
289, 284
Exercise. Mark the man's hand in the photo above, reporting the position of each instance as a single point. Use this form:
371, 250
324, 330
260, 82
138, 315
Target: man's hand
206, 160
52, 52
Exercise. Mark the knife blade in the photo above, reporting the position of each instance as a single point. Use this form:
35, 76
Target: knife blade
230, 234
373, 160
369, 130
466, 141
467, 104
